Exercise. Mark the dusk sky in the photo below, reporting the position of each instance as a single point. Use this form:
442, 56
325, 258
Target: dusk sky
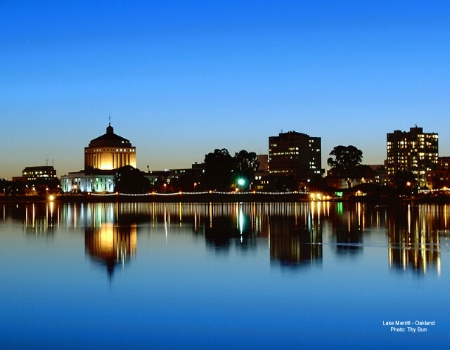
182, 78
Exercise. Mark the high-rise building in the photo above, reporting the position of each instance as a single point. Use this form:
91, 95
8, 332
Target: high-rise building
414, 151
295, 154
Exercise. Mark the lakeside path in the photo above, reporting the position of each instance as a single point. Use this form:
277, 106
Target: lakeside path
172, 197
191, 197
214, 197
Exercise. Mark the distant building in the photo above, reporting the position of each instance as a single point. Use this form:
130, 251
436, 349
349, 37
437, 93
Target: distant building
263, 160
376, 175
102, 157
171, 180
413, 151
37, 179
262, 179
33, 173
440, 178
444, 163
295, 154
379, 174
109, 151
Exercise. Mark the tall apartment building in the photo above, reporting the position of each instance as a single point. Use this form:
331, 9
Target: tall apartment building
295, 154
413, 151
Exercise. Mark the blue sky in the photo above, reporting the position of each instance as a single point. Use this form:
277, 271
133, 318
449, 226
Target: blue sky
182, 78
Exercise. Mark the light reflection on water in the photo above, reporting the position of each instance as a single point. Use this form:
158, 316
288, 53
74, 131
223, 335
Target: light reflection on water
294, 231
272, 261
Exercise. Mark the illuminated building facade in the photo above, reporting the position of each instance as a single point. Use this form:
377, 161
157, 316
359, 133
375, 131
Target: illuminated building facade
414, 151
109, 151
444, 163
295, 154
37, 179
440, 178
103, 155
33, 173
100, 181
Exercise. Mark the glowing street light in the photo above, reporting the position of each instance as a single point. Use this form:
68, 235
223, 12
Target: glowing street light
241, 182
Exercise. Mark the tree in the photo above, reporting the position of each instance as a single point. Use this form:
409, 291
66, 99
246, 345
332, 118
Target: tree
345, 162
245, 166
5, 186
218, 172
131, 180
405, 182
221, 170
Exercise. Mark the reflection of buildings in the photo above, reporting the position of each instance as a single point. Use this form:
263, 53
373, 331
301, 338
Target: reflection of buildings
294, 233
413, 242
348, 228
110, 244
413, 151
230, 224
41, 218
110, 231
296, 240
103, 155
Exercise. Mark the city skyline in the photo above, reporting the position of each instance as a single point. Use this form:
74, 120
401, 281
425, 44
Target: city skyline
324, 166
180, 79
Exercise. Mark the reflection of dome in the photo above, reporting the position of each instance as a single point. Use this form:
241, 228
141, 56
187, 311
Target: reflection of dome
109, 151
111, 245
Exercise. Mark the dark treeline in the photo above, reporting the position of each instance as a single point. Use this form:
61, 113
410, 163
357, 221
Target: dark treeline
220, 172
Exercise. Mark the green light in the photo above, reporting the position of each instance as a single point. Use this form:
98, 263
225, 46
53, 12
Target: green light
241, 181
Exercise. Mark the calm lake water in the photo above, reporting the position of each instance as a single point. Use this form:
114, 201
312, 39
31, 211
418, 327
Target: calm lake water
224, 276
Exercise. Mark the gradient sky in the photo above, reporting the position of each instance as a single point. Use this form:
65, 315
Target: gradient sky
182, 78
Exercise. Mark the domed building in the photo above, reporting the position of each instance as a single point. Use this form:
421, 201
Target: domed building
103, 155
109, 151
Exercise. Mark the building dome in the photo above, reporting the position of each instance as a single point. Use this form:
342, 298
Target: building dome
109, 151
110, 139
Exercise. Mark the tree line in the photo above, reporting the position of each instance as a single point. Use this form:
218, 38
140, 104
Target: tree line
221, 172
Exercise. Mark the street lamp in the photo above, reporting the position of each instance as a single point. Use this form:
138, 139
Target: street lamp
241, 182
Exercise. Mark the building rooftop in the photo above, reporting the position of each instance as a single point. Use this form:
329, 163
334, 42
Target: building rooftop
110, 139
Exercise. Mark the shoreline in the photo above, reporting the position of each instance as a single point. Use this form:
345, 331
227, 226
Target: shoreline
205, 197
172, 197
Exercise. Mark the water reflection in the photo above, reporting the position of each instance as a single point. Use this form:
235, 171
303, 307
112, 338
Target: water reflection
295, 233
110, 231
38, 219
111, 245
348, 228
414, 240
231, 224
